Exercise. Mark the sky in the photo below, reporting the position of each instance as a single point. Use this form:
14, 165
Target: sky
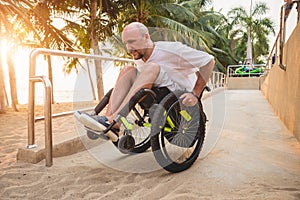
226, 5
274, 12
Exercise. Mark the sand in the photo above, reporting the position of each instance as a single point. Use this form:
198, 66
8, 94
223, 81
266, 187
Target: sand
252, 160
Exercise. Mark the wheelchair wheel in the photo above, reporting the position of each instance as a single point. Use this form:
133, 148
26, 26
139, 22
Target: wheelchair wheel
137, 112
141, 130
177, 133
137, 116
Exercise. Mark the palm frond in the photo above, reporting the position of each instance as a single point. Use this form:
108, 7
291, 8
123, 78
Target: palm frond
193, 38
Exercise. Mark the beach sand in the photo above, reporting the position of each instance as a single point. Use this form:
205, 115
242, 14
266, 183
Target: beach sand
241, 166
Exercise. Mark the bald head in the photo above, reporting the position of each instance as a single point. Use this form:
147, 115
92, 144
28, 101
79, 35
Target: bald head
137, 40
136, 26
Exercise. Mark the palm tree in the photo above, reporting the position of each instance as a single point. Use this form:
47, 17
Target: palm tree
255, 27
95, 20
2, 87
185, 21
48, 35
10, 13
176, 16
24, 20
226, 40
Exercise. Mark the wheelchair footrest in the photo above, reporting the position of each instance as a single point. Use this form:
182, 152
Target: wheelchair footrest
94, 135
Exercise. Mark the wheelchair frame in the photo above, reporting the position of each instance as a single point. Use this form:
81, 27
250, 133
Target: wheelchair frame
168, 125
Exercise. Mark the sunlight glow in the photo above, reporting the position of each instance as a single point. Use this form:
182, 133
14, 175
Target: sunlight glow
3, 46
64, 85
58, 23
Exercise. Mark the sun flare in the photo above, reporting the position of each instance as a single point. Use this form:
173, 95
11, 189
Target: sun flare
3, 47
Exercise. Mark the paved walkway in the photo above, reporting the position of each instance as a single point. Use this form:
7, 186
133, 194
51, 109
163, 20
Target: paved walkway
255, 151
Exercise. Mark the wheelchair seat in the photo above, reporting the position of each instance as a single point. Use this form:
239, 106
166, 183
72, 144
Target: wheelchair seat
150, 99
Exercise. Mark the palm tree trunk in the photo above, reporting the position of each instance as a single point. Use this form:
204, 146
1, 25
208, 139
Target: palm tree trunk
2, 87
90, 79
249, 60
12, 81
232, 45
96, 49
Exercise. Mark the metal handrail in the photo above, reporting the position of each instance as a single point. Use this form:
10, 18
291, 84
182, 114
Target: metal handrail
48, 92
280, 39
62, 114
231, 70
273, 52
217, 79
48, 118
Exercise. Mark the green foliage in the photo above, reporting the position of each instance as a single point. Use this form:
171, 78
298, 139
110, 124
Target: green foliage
185, 21
260, 27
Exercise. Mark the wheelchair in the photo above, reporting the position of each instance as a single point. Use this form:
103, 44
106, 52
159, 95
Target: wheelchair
157, 118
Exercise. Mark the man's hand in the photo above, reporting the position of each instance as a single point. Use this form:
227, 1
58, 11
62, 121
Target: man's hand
189, 99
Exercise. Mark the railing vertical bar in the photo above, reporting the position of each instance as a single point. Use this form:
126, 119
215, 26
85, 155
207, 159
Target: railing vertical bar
48, 122
31, 101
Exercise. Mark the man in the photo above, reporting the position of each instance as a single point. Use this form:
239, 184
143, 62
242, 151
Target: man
160, 64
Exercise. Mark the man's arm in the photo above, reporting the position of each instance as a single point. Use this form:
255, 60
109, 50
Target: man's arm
203, 77
191, 99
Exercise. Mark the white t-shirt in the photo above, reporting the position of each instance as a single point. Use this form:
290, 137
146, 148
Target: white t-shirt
178, 64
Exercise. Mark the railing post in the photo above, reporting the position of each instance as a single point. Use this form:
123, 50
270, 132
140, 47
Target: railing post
223, 80
282, 37
214, 80
48, 118
297, 2
31, 101
48, 121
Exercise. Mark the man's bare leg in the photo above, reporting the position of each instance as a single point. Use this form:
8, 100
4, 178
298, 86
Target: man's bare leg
144, 80
123, 84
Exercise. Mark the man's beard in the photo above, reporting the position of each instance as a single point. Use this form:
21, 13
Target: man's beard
136, 55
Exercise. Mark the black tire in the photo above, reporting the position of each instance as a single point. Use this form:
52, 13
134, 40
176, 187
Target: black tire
140, 112
140, 133
176, 147
140, 106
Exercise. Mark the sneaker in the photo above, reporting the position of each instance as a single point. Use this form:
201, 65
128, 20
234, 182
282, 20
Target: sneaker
77, 115
97, 123
94, 122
